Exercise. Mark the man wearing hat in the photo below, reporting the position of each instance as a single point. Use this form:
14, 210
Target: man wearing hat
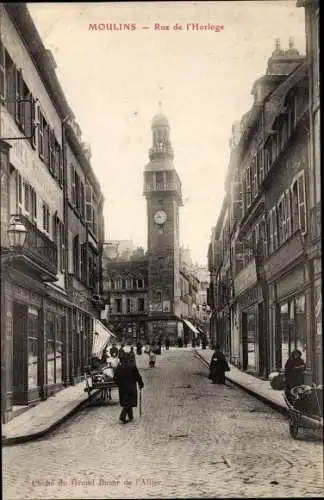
127, 377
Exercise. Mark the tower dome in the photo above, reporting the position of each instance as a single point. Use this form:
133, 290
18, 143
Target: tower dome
160, 120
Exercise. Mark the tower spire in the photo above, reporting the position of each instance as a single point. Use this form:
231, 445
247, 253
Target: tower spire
160, 107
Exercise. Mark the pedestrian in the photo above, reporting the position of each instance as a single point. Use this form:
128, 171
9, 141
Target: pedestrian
132, 355
218, 366
152, 357
167, 343
139, 348
127, 377
113, 351
294, 372
121, 350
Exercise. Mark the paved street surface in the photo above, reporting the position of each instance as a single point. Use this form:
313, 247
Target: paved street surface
194, 439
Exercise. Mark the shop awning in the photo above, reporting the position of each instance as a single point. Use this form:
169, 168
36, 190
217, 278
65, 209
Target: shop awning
191, 326
101, 337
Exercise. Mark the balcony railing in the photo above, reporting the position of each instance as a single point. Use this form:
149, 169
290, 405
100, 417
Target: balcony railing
38, 252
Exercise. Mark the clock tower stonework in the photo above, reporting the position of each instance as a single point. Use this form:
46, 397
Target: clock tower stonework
162, 190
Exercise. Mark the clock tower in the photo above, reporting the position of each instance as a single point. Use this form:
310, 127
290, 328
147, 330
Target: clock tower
162, 190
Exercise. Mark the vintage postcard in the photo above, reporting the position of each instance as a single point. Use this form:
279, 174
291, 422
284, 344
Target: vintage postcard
161, 282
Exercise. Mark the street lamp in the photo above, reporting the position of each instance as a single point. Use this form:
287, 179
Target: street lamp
16, 233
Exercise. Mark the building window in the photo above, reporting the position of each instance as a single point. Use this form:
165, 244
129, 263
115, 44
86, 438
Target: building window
129, 306
84, 267
273, 230
118, 284
259, 163
46, 218
248, 192
140, 283
76, 256
281, 221
141, 304
33, 202
298, 203
254, 178
118, 303
263, 236
26, 197
73, 187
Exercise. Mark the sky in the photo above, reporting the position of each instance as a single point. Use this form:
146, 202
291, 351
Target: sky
114, 80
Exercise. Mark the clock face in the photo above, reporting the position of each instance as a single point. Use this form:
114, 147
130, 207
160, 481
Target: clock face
160, 217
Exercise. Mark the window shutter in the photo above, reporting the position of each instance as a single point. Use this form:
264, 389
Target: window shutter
89, 204
2, 72
73, 189
288, 213
47, 144
82, 200
275, 228
270, 220
301, 202
40, 133
10, 85
28, 117
18, 84
51, 145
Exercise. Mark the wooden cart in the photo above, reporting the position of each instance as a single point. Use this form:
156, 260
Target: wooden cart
96, 381
298, 419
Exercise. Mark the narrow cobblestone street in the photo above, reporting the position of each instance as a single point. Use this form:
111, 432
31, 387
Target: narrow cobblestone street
194, 439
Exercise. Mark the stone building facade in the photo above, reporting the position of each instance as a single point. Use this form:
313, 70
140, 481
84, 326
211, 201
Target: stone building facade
270, 287
37, 343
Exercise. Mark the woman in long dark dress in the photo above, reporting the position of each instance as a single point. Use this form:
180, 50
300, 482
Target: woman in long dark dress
127, 377
218, 366
294, 372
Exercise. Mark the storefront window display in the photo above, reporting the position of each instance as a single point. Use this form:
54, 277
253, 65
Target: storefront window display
251, 323
55, 327
293, 327
50, 340
33, 348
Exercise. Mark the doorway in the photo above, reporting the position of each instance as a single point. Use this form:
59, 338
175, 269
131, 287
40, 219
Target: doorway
19, 379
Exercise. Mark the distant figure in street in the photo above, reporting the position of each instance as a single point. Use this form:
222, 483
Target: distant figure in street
121, 351
113, 351
132, 355
167, 343
127, 377
159, 346
294, 371
218, 366
139, 348
152, 356
180, 342
204, 342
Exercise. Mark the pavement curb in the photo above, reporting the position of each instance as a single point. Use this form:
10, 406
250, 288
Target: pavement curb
38, 434
272, 404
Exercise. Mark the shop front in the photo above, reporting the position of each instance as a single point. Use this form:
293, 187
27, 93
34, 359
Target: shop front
34, 342
292, 318
252, 342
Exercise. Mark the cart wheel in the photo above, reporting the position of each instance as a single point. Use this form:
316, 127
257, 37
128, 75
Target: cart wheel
293, 426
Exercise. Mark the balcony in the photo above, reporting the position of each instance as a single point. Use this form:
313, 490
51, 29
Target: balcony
38, 255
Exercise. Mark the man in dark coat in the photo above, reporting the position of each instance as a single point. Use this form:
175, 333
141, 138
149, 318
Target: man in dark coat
127, 377
218, 366
167, 343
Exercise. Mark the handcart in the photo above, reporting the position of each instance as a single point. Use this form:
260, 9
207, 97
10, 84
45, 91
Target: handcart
299, 417
98, 381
